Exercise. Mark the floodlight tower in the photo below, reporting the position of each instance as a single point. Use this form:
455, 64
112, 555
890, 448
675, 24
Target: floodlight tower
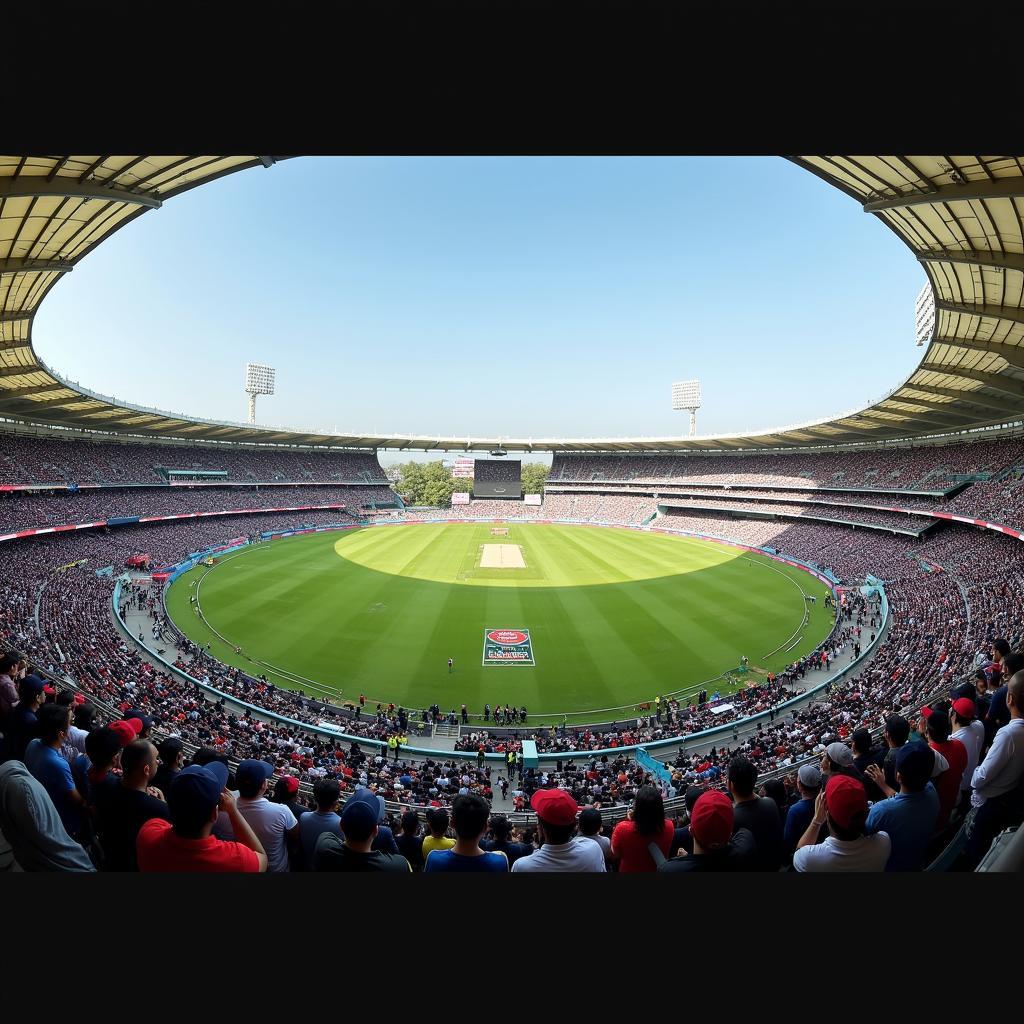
259, 380
686, 395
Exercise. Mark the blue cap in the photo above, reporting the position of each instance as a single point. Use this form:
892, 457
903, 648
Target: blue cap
366, 798
252, 773
358, 814
915, 762
32, 684
196, 790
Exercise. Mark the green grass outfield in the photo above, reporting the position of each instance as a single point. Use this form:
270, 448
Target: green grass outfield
616, 616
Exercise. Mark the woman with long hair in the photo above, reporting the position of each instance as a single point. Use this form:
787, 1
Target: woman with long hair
646, 824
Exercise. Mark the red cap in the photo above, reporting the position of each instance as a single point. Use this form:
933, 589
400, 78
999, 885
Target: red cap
555, 806
711, 819
49, 690
845, 798
137, 724
79, 698
965, 707
126, 731
291, 784
927, 711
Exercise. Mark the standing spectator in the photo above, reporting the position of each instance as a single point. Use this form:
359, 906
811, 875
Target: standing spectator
760, 814
936, 726
410, 840
591, 824
997, 781
838, 760
196, 796
717, 844
562, 851
971, 733
12, 671
910, 815
272, 823
437, 822
843, 806
645, 824
172, 754
683, 840
808, 785
325, 818
124, 805
359, 825
44, 761
502, 842
895, 733
864, 754
469, 815
21, 725
286, 792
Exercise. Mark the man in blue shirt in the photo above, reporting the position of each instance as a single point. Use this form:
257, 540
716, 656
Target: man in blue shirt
324, 819
910, 816
44, 760
469, 816
808, 784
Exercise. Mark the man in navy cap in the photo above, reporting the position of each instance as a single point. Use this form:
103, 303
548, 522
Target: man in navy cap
359, 819
910, 816
274, 824
197, 795
21, 725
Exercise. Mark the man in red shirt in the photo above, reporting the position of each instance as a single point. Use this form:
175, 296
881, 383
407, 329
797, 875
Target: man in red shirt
935, 723
196, 797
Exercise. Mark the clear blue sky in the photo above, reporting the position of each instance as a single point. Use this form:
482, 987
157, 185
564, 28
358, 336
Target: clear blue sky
513, 297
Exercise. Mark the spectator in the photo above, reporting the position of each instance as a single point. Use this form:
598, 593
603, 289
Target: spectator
172, 755
469, 815
864, 754
21, 725
910, 815
808, 785
645, 824
325, 818
775, 789
359, 819
124, 805
273, 824
683, 840
999, 780
843, 806
410, 840
102, 756
30, 823
971, 733
838, 760
286, 792
186, 844
591, 824
936, 725
896, 732
717, 844
12, 671
562, 851
759, 814
437, 822
43, 760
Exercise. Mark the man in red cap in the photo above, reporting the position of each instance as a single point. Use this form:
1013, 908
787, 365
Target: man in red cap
963, 717
843, 805
715, 846
556, 826
936, 725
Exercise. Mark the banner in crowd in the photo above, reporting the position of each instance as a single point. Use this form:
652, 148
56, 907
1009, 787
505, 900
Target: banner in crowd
531, 499
108, 571
460, 498
652, 765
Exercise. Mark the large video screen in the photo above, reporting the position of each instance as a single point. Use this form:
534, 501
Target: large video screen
497, 478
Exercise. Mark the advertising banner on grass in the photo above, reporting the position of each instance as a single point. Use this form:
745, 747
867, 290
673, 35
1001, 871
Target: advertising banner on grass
508, 647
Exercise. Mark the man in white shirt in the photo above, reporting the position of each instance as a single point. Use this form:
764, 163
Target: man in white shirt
970, 732
843, 804
997, 781
562, 851
272, 823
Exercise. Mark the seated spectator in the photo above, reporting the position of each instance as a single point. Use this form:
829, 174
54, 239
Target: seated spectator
591, 824
646, 824
843, 806
717, 844
999, 780
101, 760
936, 726
286, 792
30, 823
325, 818
186, 844
775, 789
561, 850
410, 840
44, 761
910, 815
172, 756
682, 839
272, 823
808, 785
838, 760
437, 822
759, 814
469, 815
359, 819
123, 805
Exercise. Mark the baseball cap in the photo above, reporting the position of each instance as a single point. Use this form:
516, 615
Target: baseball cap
126, 732
915, 761
810, 776
196, 789
845, 799
359, 812
147, 721
48, 689
711, 820
291, 784
967, 690
555, 806
965, 707
840, 754
79, 698
253, 773
368, 797
32, 684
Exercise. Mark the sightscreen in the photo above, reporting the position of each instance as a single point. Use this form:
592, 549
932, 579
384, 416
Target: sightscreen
497, 478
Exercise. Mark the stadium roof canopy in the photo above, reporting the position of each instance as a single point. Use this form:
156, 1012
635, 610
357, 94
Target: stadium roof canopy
961, 216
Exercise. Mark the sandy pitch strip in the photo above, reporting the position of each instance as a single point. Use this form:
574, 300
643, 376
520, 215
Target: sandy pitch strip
502, 556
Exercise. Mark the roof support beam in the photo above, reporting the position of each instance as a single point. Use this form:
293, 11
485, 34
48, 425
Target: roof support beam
25, 314
971, 397
35, 389
996, 381
1015, 316
1000, 261
945, 408
18, 371
14, 265
1013, 355
912, 421
49, 403
69, 188
1001, 188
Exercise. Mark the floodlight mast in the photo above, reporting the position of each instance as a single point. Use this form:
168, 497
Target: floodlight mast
259, 380
686, 396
